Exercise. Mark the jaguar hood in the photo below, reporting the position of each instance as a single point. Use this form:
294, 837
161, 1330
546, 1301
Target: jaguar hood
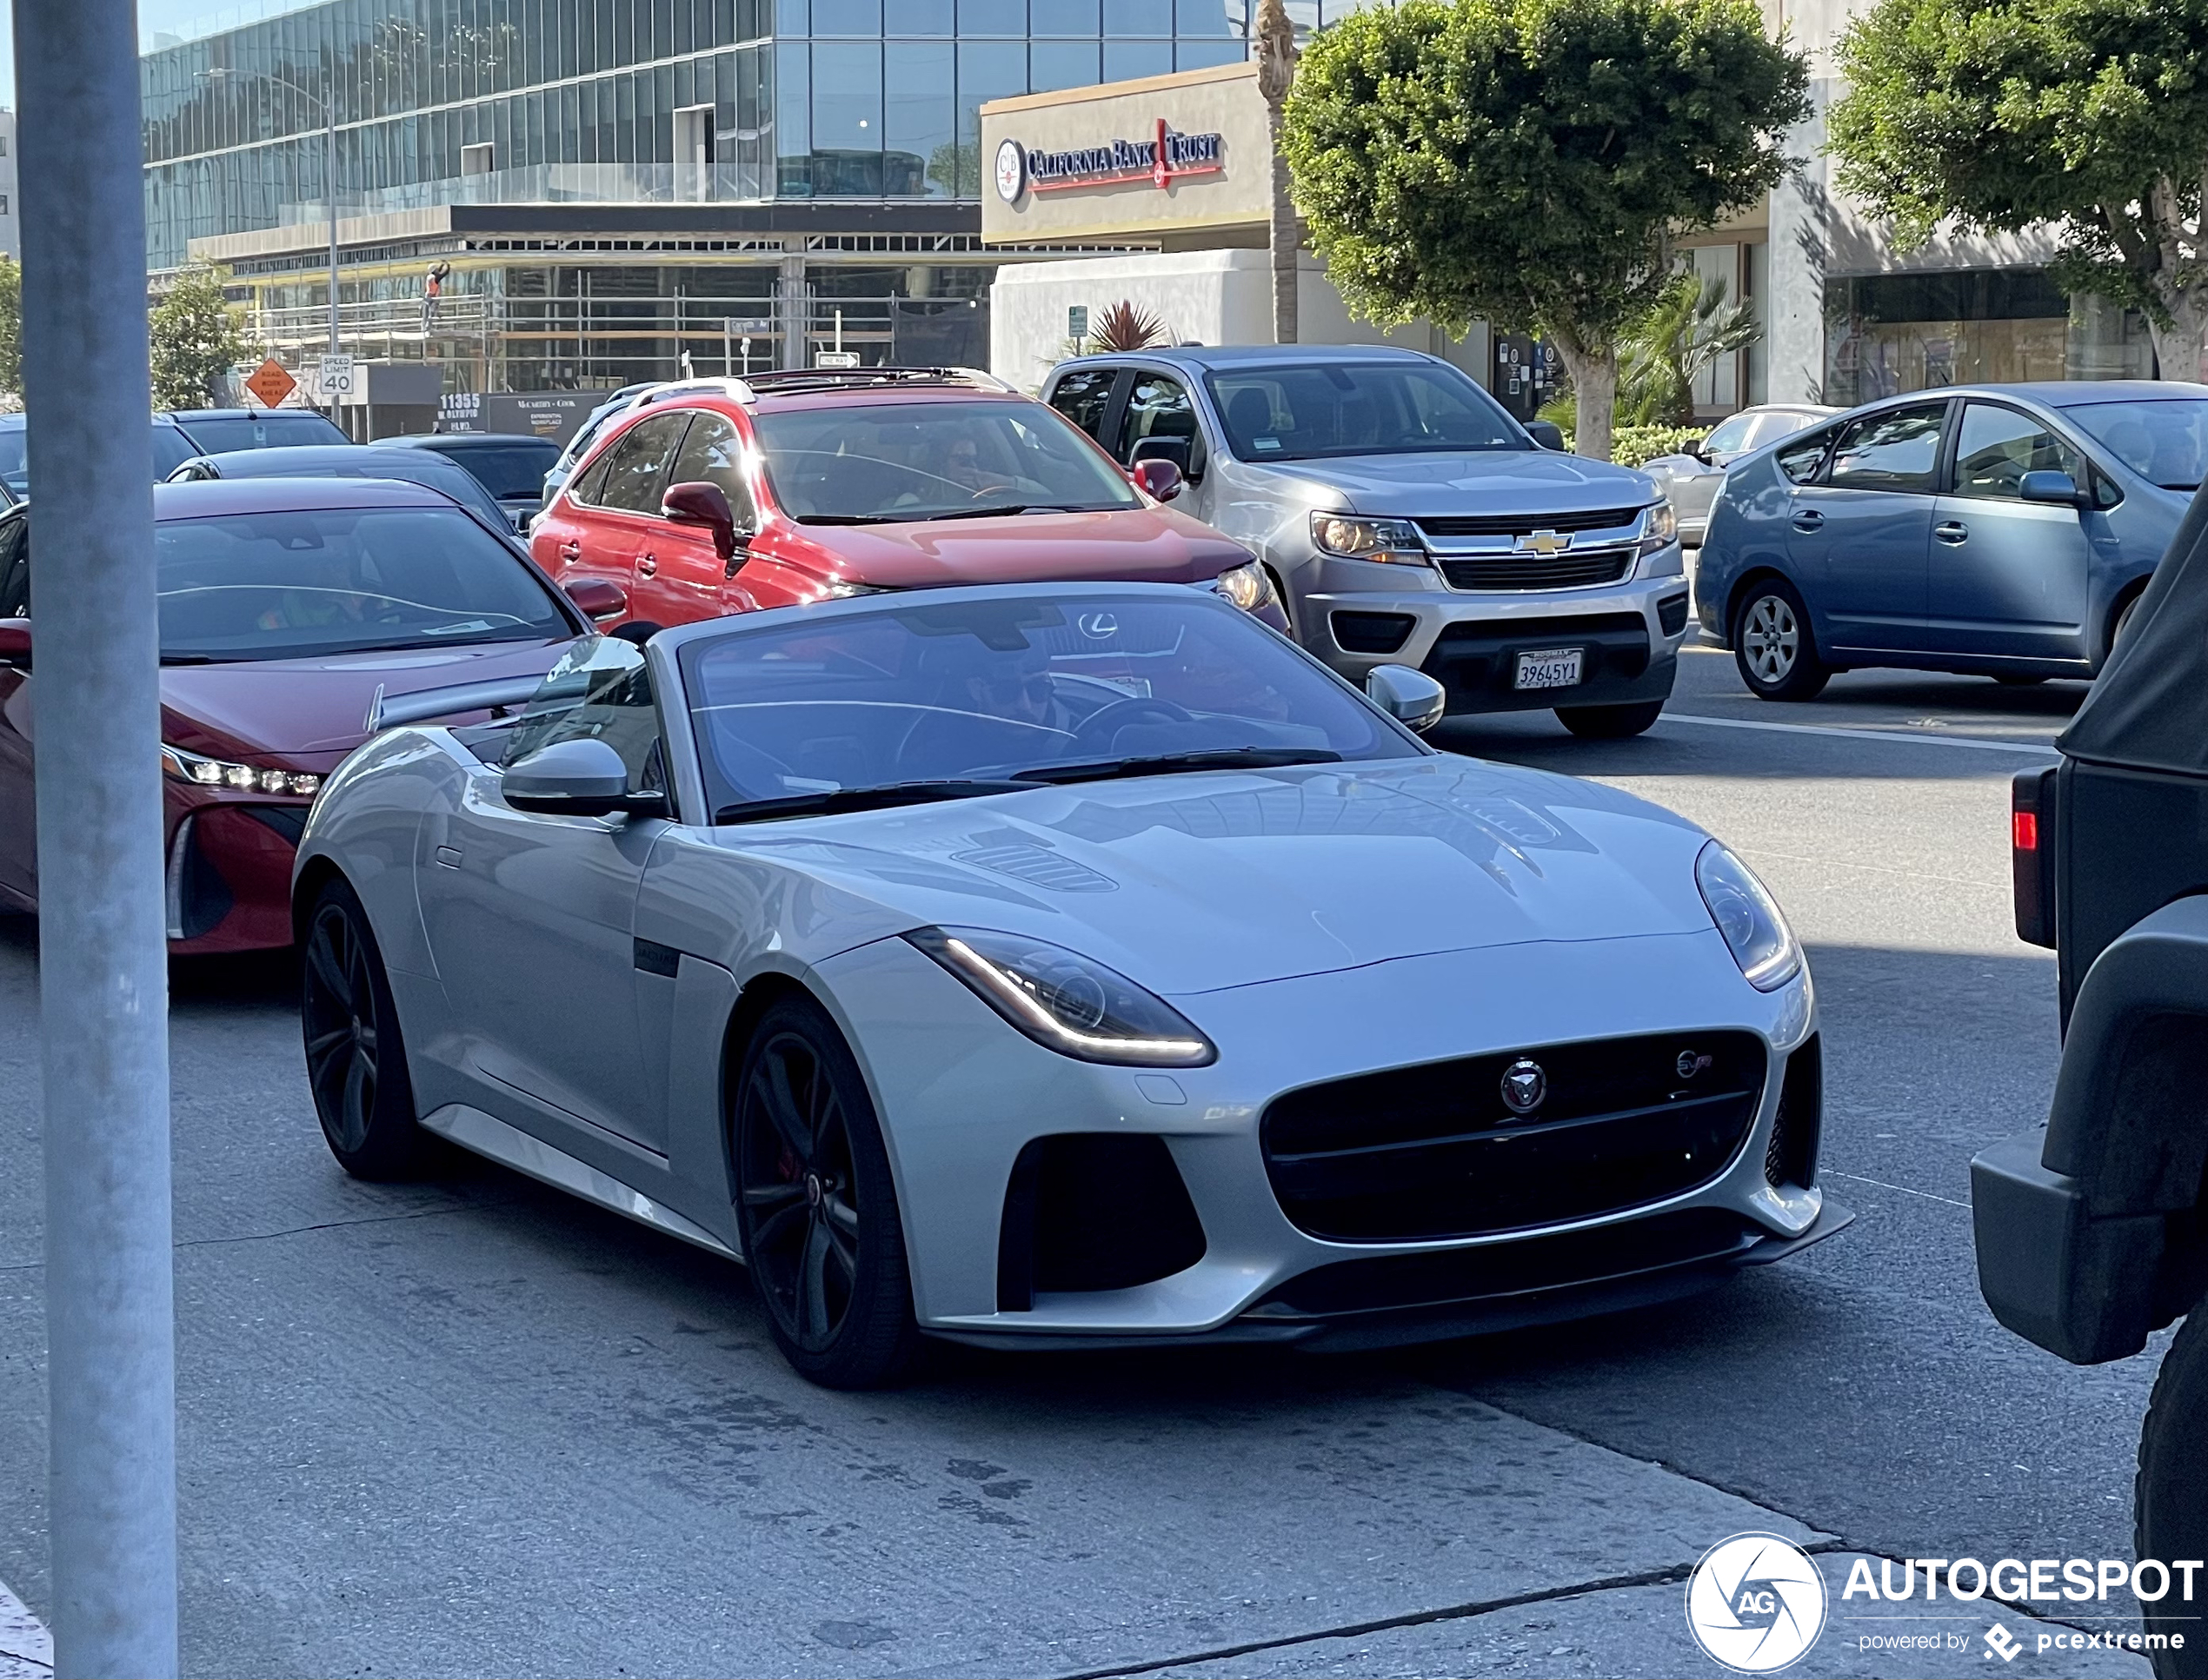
1193, 883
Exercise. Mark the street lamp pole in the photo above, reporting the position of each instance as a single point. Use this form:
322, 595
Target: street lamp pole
102, 951
328, 100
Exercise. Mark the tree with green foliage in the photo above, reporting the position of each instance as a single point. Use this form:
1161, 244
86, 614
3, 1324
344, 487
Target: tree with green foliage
1998, 115
1527, 161
197, 338
10, 325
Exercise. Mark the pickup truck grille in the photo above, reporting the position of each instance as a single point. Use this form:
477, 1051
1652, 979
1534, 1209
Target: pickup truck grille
1514, 525
1564, 571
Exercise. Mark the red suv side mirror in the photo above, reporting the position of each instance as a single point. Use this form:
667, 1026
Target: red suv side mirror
598, 597
702, 503
14, 642
1161, 478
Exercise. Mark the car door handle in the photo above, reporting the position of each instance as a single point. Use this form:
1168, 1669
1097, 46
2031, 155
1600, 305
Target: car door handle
571, 550
1808, 519
1951, 530
647, 565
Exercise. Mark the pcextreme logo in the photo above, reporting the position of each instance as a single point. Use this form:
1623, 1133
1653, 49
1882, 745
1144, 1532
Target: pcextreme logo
1756, 1602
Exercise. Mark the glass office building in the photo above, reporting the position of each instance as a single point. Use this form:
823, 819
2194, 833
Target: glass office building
609, 184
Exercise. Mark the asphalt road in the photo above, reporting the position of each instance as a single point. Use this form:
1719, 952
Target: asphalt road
473, 1426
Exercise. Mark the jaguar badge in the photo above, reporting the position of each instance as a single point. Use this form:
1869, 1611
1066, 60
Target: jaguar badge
1525, 1085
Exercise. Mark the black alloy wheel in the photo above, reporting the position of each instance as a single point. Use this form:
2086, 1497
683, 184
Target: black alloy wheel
1772, 644
2169, 1501
356, 1057
817, 1206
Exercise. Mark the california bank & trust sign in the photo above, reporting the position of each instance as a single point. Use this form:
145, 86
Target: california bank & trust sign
1161, 160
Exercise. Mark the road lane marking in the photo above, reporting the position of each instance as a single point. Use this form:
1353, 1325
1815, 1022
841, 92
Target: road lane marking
26, 1653
1856, 1178
1921, 736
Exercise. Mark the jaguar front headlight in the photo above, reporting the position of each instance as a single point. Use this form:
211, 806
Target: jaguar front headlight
1067, 1002
204, 771
1395, 540
1754, 927
1662, 528
1246, 586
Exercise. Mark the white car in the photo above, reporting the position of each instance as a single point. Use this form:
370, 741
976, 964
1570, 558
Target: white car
1060, 965
1691, 480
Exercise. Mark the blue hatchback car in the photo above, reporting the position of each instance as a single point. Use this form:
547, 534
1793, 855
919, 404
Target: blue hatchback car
2000, 529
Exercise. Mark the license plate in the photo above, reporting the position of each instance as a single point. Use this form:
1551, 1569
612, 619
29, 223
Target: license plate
1550, 668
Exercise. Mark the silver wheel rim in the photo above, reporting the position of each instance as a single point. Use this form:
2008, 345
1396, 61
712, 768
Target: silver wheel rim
1771, 638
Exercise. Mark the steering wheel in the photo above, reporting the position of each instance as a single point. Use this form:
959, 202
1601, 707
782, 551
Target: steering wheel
1092, 729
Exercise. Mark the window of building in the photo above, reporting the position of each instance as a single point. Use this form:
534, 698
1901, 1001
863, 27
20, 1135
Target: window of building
1889, 334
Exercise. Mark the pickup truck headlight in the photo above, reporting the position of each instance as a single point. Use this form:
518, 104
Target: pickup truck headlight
1662, 530
1246, 586
1065, 1002
1392, 540
204, 771
1754, 927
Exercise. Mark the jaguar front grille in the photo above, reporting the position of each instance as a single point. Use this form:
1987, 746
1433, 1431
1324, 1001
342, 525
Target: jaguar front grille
1422, 1153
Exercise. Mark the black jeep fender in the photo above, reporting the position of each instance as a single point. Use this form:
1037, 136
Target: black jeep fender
2090, 1229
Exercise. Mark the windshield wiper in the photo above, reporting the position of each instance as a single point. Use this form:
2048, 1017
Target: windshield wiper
203, 659
827, 803
1009, 507
1166, 764
850, 519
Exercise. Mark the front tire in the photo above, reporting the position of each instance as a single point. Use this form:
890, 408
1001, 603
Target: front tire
355, 1057
2169, 1502
817, 1206
1609, 722
1774, 647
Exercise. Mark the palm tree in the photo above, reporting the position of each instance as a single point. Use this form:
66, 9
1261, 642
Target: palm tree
1276, 56
1674, 345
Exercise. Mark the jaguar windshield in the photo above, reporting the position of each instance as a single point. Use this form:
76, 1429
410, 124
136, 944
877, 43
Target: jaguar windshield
341, 580
2163, 441
1357, 408
906, 703
872, 464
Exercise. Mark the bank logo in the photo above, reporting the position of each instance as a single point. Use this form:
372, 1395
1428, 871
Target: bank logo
2003, 1644
1755, 1602
1012, 171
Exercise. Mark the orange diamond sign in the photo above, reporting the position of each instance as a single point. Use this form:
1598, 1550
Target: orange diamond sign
270, 383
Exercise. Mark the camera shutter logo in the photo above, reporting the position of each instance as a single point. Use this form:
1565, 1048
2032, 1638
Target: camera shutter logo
1756, 1602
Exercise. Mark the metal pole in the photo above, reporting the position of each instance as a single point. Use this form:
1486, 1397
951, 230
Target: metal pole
329, 182
103, 979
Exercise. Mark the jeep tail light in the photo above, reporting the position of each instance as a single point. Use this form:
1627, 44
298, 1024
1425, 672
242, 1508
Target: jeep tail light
2031, 863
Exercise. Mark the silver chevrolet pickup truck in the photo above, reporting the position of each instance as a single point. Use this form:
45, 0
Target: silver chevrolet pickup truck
1405, 518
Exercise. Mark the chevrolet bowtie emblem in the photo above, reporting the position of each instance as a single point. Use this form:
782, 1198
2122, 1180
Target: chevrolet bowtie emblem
1544, 543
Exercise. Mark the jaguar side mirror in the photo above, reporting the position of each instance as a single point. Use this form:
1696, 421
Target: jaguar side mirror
1160, 477
598, 597
700, 503
2048, 486
14, 642
1412, 698
1548, 434
583, 778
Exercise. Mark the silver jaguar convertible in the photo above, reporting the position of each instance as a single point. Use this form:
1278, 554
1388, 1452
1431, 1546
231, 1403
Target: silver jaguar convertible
1059, 966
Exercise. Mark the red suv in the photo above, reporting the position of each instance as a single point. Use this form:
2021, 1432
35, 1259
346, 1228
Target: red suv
728, 495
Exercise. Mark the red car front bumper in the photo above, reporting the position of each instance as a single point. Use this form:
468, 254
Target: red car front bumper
229, 879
